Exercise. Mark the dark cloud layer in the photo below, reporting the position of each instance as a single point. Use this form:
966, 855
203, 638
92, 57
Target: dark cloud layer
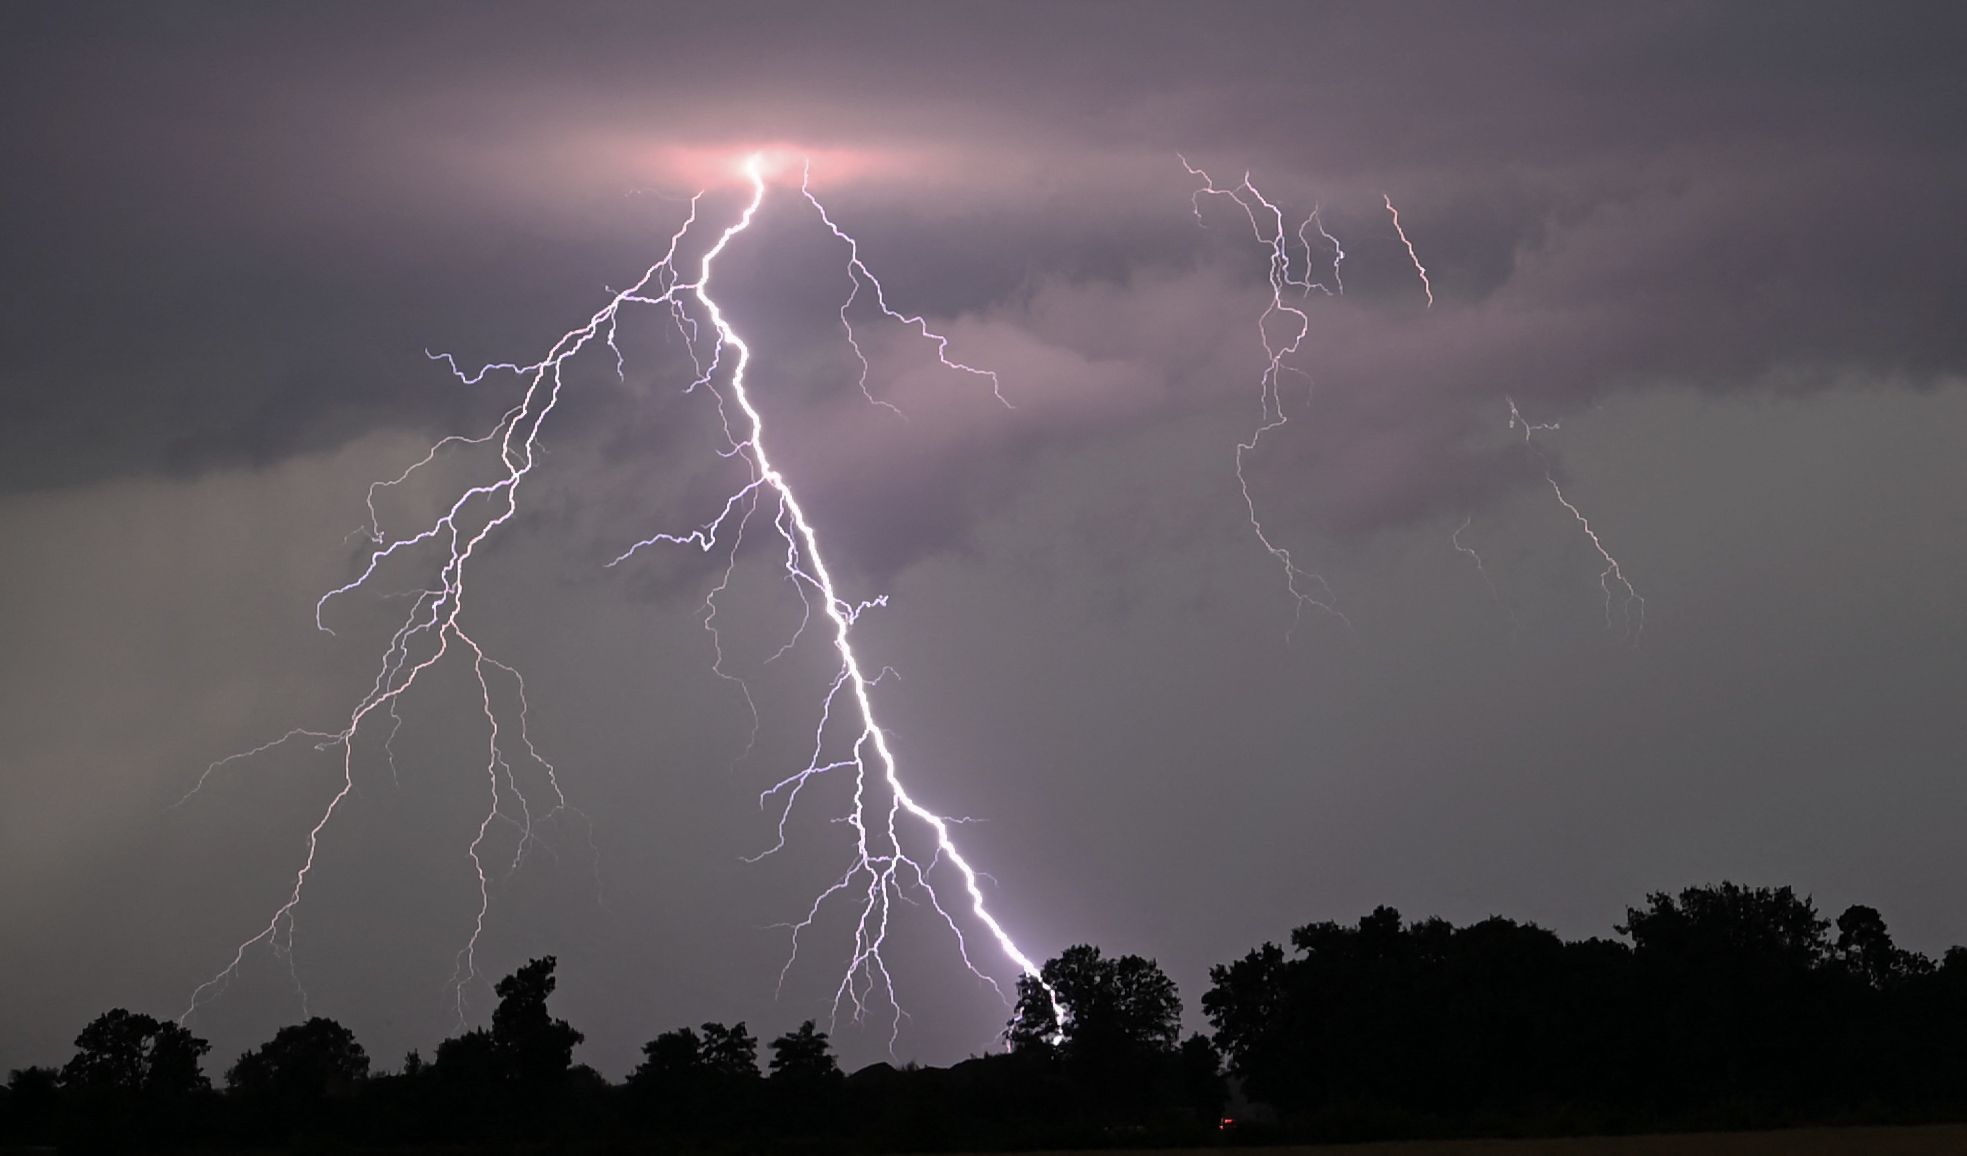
1716, 244
287, 205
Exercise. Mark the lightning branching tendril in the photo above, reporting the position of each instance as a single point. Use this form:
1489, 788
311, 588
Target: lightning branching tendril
1411, 255
1632, 607
859, 274
1456, 540
881, 869
1482, 570
1267, 224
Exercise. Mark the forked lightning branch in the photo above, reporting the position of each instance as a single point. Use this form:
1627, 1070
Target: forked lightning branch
902, 852
902, 860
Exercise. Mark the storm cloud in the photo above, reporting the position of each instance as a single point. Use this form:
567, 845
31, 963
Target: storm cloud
1717, 246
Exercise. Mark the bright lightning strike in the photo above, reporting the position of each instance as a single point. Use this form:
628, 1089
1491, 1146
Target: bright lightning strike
1612, 579
885, 817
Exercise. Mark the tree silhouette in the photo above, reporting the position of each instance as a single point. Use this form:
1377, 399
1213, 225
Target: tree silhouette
1767, 925
1115, 1049
467, 1082
1202, 1085
1113, 1006
689, 1081
1734, 995
302, 1063
1730, 1006
469, 1060
1865, 950
29, 1106
124, 1052
1380, 1014
806, 1085
132, 1076
288, 1082
804, 1056
520, 1074
534, 1050
1251, 1004
670, 1059
732, 1052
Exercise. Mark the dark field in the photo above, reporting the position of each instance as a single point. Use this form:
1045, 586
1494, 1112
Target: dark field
1927, 1140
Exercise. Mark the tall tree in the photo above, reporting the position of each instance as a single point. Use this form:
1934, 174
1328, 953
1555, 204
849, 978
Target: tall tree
1113, 1006
1114, 1049
1250, 1004
1864, 949
534, 1049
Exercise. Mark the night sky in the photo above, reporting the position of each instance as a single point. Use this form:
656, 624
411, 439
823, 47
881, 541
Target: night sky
1720, 246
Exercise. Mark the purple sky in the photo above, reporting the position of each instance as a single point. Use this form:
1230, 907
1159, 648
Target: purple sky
1718, 246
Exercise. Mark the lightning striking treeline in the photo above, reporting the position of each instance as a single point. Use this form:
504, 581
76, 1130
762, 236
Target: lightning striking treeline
885, 818
899, 846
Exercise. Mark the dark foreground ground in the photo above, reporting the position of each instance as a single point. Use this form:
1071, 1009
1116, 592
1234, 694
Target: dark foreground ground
1921, 1140
1898, 1140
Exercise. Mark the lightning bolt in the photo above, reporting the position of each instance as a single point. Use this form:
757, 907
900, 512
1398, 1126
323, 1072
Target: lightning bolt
1632, 607
1267, 224
1338, 250
858, 274
881, 869
1456, 540
1482, 570
1411, 255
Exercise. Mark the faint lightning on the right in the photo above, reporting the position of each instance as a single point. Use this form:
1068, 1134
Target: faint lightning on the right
1632, 607
1267, 223
1411, 255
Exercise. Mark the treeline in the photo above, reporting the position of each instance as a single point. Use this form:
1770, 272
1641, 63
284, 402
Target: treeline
1723, 1006
138, 1081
